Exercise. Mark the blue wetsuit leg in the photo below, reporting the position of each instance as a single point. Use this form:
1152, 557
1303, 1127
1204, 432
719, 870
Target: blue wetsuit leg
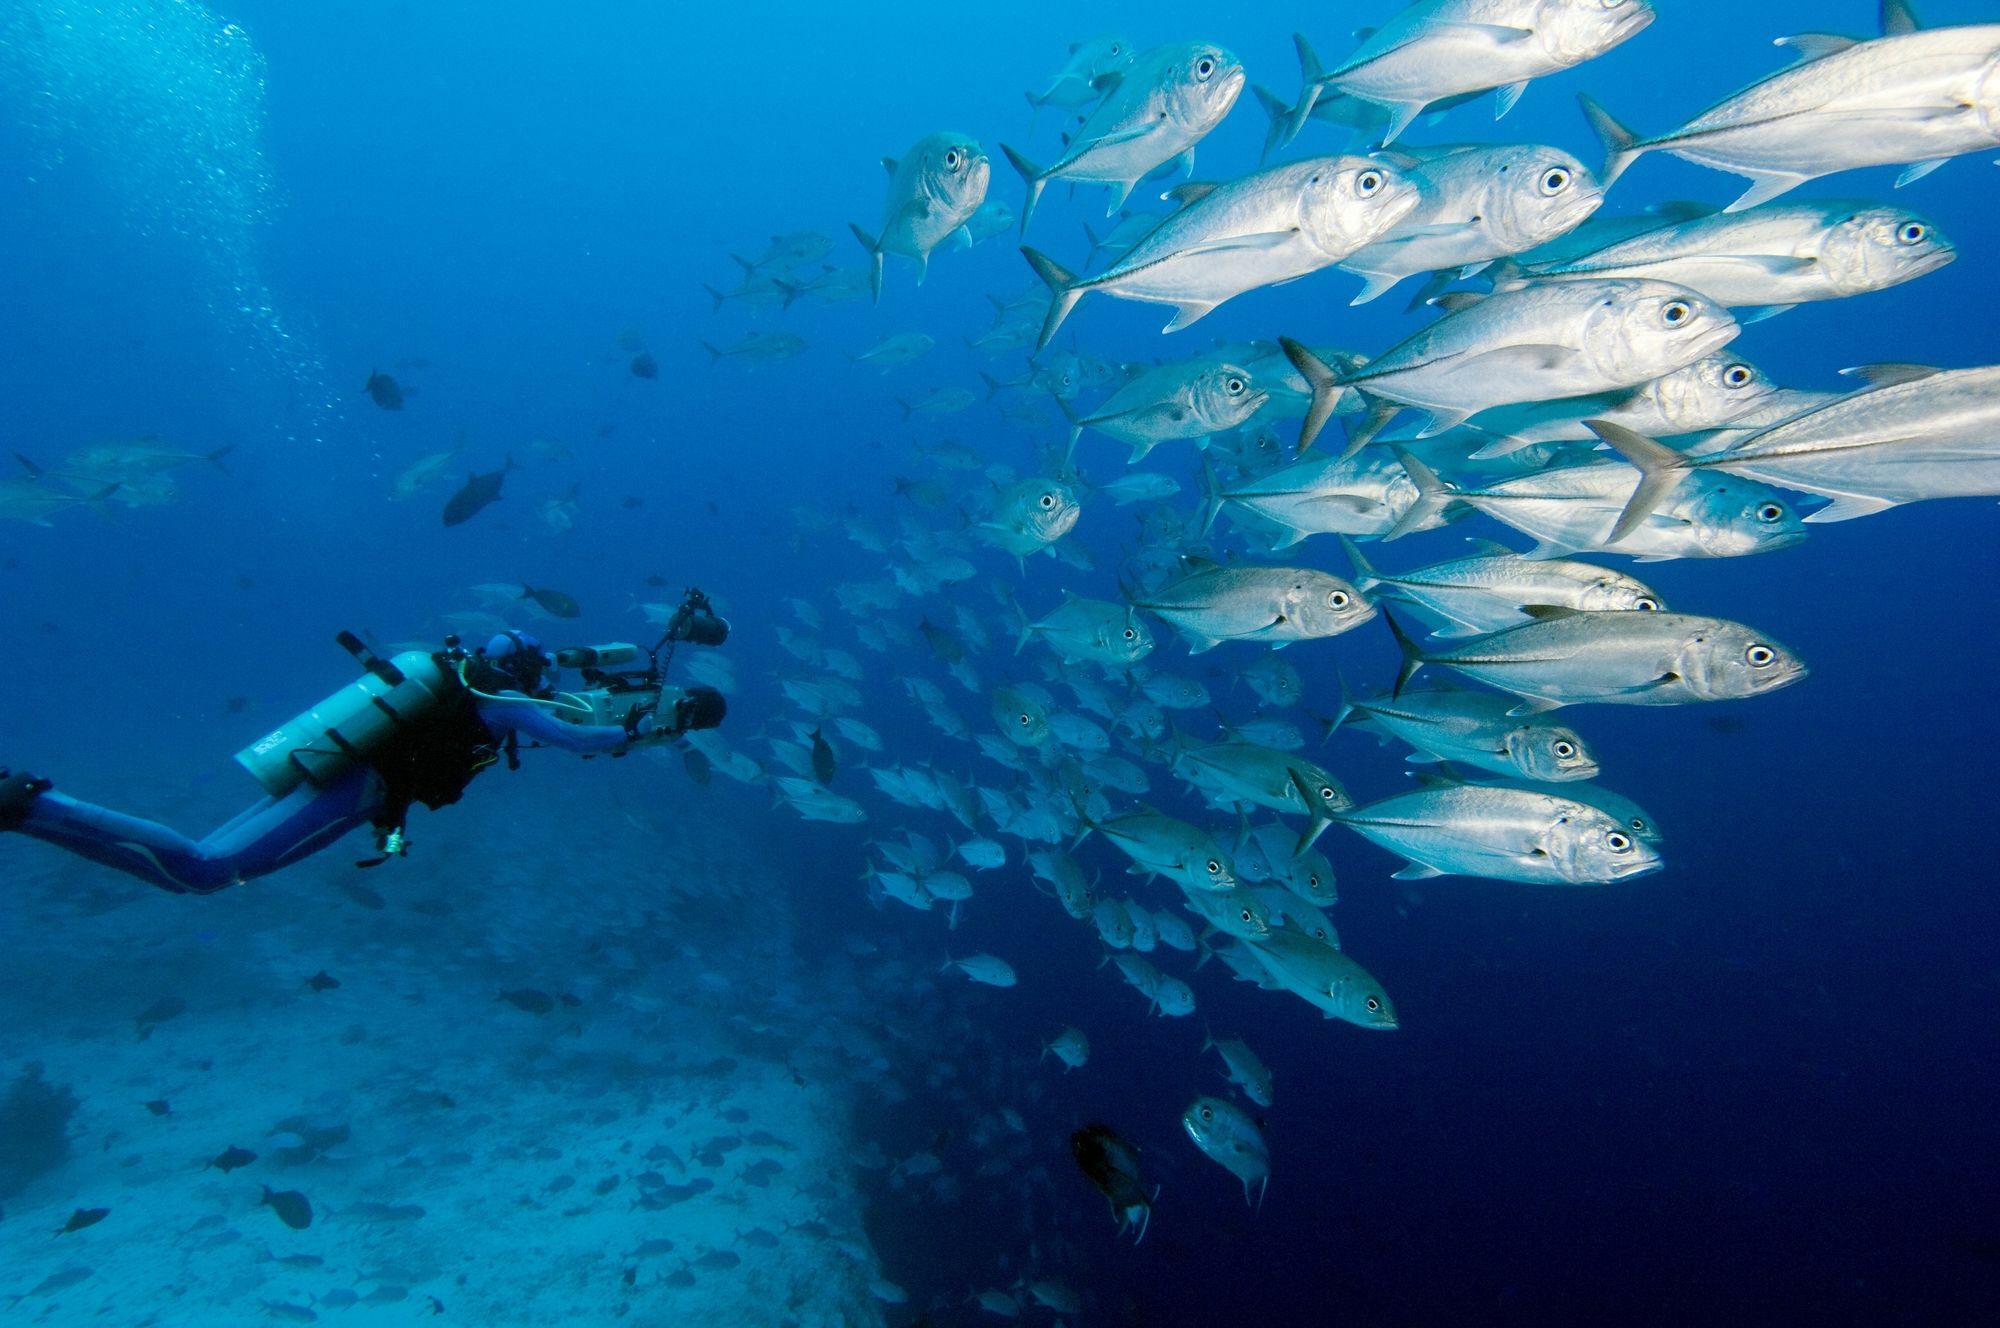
272, 834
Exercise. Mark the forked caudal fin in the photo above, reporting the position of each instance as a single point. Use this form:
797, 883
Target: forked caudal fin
1031, 175
1062, 286
1621, 145
874, 248
1413, 654
1660, 469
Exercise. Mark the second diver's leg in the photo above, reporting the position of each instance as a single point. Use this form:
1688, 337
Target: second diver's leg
268, 836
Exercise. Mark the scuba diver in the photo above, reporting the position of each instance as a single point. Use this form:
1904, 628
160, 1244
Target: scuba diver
412, 729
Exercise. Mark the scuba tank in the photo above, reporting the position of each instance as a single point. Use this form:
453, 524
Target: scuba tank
320, 745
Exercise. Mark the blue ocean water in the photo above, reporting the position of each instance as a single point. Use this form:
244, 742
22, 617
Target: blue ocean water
1754, 1087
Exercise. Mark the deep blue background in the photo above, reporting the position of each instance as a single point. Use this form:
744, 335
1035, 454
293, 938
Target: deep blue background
1757, 1087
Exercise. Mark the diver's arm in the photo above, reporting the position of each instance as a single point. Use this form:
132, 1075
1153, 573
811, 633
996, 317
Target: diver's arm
512, 713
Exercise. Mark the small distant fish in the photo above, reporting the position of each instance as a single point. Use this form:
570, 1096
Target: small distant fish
555, 601
167, 1007
81, 1218
231, 1158
645, 366
58, 1281
158, 1106
322, 981
292, 1208
290, 1313
477, 493
529, 999
383, 390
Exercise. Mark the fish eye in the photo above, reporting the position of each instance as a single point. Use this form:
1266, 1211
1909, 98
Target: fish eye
1326, 793
1618, 842
1737, 375
1676, 312
1565, 748
1770, 512
1214, 867
1337, 599
1646, 604
1131, 635
1235, 386
1313, 880
1912, 232
1367, 183
1208, 1113
1026, 719
1554, 180
1638, 823
1204, 67
1048, 501
951, 159
1374, 1004
1246, 915
1760, 657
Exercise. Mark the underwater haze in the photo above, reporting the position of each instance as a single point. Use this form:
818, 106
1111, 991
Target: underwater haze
1069, 664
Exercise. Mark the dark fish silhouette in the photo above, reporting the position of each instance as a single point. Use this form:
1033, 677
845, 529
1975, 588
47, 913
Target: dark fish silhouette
645, 366
233, 1157
362, 895
943, 642
54, 1282
322, 981
823, 764
1113, 1167
383, 390
479, 490
81, 1218
160, 1107
235, 704
718, 1259
555, 601
529, 999
167, 1007
292, 1208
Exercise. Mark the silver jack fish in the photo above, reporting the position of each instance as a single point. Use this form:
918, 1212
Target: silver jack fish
1439, 49
1532, 344
1503, 834
1210, 604
1908, 97
1164, 103
1267, 228
933, 190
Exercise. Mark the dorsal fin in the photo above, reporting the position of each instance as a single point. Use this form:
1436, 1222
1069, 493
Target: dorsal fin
1899, 17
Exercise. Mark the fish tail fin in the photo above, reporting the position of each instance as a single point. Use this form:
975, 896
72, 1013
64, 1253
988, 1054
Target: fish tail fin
907, 411
792, 292
1095, 244
1326, 386
1660, 469
1031, 175
714, 355
1364, 571
215, 458
993, 385
1311, 77
1346, 710
716, 298
1433, 496
1413, 654
874, 248
1062, 285
1280, 116
1620, 144
1026, 631
34, 471
1211, 494
1320, 819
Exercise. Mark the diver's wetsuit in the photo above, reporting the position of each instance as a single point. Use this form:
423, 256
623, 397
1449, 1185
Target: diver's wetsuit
276, 832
